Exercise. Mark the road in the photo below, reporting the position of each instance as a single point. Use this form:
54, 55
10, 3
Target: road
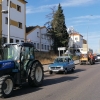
83, 84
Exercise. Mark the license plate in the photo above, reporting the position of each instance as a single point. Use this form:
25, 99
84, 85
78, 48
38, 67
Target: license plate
55, 70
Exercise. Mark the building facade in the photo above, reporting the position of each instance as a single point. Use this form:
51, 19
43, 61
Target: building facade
76, 40
39, 36
17, 20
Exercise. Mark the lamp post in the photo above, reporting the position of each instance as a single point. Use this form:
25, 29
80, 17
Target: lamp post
8, 12
8, 21
87, 34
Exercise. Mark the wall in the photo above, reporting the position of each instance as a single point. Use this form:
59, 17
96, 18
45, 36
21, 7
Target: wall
78, 43
15, 32
36, 38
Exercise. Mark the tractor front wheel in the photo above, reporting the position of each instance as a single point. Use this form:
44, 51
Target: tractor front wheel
36, 74
6, 86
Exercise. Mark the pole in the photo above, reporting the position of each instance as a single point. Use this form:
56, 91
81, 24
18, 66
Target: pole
40, 39
99, 46
87, 34
8, 21
87, 38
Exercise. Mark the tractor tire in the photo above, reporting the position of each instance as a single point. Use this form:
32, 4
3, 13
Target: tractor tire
36, 74
91, 62
6, 86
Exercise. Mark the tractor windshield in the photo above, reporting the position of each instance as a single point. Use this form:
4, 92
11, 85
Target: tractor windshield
11, 52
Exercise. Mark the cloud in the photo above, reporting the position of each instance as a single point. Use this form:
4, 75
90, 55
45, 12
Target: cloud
65, 3
83, 20
69, 3
87, 17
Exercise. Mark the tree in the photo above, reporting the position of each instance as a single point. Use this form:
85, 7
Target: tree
57, 28
60, 35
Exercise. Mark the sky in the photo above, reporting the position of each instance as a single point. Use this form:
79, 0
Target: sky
82, 15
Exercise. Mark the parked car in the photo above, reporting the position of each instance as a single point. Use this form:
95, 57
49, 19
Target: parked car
97, 58
62, 63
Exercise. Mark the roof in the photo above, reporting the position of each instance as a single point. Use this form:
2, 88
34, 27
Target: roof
25, 1
75, 34
30, 28
84, 41
20, 44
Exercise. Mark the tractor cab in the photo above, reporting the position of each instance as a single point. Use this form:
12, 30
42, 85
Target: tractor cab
19, 54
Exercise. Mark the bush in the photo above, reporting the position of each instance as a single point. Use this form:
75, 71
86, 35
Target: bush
45, 57
75, 57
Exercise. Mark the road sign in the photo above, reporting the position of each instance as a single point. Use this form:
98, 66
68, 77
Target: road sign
61, 48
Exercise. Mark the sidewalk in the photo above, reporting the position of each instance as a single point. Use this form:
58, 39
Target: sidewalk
46, 66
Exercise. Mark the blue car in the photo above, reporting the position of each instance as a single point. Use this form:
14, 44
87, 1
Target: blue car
62, 63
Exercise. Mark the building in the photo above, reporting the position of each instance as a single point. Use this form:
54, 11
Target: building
76, 40
17, 20
39, 36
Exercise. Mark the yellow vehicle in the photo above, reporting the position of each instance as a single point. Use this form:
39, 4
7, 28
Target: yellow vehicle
87, 59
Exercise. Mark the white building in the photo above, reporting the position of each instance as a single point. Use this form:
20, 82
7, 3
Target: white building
76, 40
39, 36
17, 20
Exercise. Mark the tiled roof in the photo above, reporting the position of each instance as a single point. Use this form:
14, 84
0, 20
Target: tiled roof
76, 34
30, 28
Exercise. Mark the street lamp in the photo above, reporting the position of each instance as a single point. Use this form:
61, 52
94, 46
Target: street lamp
87, 35
8, 12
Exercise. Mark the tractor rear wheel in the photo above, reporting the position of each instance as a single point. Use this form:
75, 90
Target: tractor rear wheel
6, 86
36, 74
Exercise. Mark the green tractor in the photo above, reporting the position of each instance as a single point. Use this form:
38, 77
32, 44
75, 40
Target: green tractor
18, 66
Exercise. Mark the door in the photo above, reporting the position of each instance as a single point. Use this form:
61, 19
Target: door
71, 64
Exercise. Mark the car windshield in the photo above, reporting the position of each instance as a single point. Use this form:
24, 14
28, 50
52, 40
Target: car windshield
61, 60
11, 52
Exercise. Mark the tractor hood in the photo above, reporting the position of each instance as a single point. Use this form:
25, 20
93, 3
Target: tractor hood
6, 64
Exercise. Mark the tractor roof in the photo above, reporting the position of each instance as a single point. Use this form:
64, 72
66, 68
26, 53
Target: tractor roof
21, 44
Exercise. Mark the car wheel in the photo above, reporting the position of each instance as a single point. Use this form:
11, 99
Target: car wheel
50, 72
73, 69
65, 71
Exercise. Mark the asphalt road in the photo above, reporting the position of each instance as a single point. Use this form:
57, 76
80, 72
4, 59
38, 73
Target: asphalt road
83, 84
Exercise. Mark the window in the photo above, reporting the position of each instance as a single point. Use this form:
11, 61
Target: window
20, 25
18, 8
37, 45
42, 46
45, 47
11, 40
6, 20
4, 40
7, 3
48, 37
37, 34
48, 47
76, 38
17, 41
22, 41
42, 36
